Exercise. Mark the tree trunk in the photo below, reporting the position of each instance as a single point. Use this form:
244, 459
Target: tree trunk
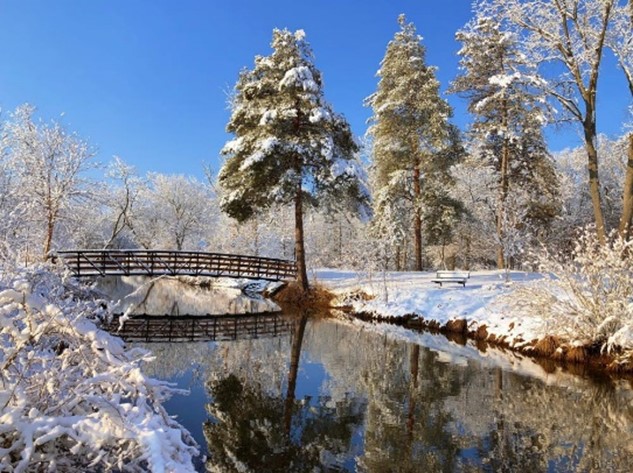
627, 198
51, 217
589, 127
302, 273
50, 230
417, 220
503, 190
295, 355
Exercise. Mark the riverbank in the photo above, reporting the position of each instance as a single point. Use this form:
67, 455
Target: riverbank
484, 309
73, 396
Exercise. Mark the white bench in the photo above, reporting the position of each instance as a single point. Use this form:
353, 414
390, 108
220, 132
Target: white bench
458, 277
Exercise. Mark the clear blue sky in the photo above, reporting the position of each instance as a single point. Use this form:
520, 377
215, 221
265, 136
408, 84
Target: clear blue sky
147, 80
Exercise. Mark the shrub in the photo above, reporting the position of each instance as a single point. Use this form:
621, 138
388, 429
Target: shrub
72, 397
587, 295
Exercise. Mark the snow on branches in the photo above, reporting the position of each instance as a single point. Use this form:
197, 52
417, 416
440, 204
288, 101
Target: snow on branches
72, 397
287, 137
588, 296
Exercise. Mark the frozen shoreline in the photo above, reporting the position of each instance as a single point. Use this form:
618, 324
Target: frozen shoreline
482, 309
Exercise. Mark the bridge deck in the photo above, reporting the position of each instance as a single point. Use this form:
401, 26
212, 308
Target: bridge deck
174, 263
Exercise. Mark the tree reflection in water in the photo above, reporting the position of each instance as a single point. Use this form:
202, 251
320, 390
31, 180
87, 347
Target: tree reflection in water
253, 429
338, 396
438, 410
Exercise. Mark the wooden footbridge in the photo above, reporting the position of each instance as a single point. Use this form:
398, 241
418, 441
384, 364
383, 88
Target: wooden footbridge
83, 263
154, 329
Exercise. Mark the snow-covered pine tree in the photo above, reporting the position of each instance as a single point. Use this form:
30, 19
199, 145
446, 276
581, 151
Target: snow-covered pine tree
409, 127
290, 147
508, 117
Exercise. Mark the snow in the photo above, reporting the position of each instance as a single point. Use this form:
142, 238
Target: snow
483, 301
268, 117
264, 147
319, 114
299, 78
504, 80
72, 396
233, 146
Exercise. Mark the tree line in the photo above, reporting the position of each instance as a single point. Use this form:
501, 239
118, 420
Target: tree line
416, 192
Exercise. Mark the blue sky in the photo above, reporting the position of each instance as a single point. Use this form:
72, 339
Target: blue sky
148, 80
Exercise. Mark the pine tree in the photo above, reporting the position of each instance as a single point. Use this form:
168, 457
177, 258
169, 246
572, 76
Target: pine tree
290, 147
508, 119
409, 131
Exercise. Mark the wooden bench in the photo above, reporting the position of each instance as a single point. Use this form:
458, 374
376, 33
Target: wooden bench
458, 277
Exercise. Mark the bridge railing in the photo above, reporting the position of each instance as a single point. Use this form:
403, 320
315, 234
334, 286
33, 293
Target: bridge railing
174, 263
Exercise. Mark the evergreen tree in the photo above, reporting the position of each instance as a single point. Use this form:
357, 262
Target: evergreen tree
508, 120
410, 131
290, 147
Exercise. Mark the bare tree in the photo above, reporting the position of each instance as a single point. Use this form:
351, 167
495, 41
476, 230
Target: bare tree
172, 211
620, 41
47, 164
128, 193
570, 34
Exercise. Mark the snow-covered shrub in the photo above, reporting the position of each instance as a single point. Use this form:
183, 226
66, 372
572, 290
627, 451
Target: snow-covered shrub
72, 397
586, 297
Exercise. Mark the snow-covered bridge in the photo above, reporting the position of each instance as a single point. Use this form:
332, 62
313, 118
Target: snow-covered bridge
174, 263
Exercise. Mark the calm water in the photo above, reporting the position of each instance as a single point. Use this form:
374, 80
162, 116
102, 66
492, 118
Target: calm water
274, 393
332, 395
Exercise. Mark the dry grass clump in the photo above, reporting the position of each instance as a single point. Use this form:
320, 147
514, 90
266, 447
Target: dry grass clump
292, 296
456, 326
546, 346
481, 333
576, 354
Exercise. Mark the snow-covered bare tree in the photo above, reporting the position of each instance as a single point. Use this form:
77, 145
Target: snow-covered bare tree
503, 96
409, 127
172, 211
7, 200
123, 197
46, 165
290, 147
574, 197
73, 397
475, 186
620, 41
267, 233
570, 36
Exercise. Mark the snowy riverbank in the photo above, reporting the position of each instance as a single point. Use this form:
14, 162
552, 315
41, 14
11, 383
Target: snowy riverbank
484, 309
73, 397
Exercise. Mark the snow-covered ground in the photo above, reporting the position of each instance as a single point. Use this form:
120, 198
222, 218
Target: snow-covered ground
483, 301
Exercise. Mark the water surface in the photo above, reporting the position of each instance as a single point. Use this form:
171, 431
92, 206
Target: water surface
333, 395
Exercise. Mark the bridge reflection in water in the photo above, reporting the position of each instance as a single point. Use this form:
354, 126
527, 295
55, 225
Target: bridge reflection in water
151, 328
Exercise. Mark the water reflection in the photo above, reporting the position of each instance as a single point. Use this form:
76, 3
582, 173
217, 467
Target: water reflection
153, 329
138, 295
334, 396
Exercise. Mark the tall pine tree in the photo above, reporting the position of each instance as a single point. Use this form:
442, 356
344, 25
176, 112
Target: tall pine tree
501, 89
290, 147
410, 133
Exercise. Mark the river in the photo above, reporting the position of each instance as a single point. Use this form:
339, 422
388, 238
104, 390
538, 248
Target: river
334, 394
